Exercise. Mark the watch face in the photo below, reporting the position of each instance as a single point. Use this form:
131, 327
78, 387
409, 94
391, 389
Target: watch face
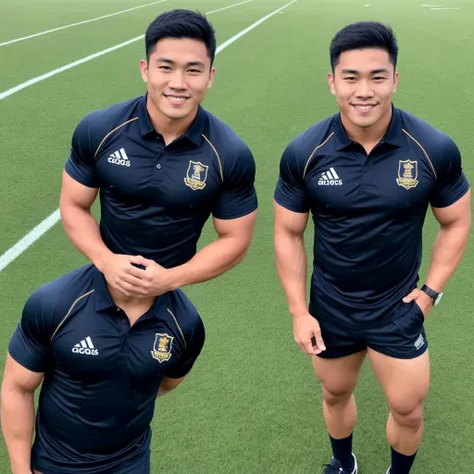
438, 298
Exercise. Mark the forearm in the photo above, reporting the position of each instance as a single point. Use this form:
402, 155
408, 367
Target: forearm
291, 264
210, 262
18, 417
447, 252
83, 230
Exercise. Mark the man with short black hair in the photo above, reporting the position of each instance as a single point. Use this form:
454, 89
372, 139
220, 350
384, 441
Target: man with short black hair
163, 165
368, 175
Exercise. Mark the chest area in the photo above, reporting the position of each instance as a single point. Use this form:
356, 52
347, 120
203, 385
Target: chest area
138, 170
146, 350
396, 180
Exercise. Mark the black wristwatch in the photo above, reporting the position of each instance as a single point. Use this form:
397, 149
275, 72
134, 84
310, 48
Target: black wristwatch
434, 295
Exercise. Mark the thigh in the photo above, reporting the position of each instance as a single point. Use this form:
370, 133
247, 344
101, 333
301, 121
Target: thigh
405, 382
339, 375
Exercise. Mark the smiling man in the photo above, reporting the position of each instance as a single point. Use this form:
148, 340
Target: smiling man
163, 165
368, 175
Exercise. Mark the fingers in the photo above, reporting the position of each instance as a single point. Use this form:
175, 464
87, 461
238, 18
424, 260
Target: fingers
139, 260
411, 296
314, 345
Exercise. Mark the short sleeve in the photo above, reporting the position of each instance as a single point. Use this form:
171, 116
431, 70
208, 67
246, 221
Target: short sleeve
451, 183
194, 345
30, 342
80, 164
238, 196
290, 190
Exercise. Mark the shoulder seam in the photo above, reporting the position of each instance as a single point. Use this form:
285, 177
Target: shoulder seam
314, 151
177, 324
217, 155
69, 312
110, 133
423, 150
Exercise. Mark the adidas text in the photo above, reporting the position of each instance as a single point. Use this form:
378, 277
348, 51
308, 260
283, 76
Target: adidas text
86, 347
330, 178
119, 158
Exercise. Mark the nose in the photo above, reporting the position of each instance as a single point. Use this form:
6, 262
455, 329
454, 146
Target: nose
177, 80
364, 90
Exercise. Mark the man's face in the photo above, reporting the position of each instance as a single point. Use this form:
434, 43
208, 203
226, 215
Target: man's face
178, 75
363, 83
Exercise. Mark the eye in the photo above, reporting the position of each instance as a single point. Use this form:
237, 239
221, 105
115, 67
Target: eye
350, 78
164, 68
194, 71
379, 78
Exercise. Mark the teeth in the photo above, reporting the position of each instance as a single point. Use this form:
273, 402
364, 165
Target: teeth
180, 99
365, 107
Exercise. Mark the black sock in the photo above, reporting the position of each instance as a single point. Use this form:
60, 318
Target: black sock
342, 451
401, 464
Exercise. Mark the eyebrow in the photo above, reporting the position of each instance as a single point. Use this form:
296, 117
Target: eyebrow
374, 71
190, 63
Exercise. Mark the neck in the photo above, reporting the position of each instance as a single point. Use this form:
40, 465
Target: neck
170, 129
368, 137
128, 303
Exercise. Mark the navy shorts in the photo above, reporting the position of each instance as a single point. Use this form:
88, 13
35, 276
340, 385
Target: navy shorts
139, 465
402, 338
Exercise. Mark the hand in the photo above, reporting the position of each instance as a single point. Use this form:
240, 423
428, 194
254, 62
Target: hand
421, 299
122, 276
307, 334
154, 280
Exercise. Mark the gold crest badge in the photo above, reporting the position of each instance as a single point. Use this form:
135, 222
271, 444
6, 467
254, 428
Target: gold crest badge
162, 347
196, 175
407, 174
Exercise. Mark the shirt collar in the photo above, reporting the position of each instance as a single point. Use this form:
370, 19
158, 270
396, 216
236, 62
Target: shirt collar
102, 297
393, 136
194, 132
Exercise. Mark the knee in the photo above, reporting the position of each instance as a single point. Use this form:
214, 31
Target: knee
335, 395
407, 414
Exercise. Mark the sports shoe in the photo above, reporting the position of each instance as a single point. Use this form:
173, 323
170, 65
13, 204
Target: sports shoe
335, 467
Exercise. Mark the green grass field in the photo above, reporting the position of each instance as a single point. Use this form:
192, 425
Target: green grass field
251, 404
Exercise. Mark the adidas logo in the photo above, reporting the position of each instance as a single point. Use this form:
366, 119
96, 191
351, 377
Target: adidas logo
419, 342
86, 347
330, 178
119, 158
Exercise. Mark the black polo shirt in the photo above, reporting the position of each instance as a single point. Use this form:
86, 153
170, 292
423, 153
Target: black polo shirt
368, 211
154, 198
101, 374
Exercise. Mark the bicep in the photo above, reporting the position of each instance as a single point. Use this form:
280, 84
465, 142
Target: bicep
241, 227
458, 213
17, 377
75, 194
288, 221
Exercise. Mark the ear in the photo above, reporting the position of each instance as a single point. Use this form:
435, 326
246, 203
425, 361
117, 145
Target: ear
331, 83
395, 82
144, 70
211, 77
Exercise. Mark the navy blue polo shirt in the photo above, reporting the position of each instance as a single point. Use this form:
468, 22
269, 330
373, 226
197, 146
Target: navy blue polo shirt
101, 374
368, 211
155, 198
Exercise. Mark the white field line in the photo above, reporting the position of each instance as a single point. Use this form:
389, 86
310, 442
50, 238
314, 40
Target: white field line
29, 239
80, 23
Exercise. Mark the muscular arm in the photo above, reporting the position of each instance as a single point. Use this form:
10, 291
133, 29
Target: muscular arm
168, 384
80, 226
290, 256
234, 238
18, 414
451, 241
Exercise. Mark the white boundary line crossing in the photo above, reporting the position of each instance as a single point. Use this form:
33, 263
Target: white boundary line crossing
79, 23
35, 80
30, 238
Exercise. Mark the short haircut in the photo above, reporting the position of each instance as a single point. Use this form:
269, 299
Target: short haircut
179, 23
361, 35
